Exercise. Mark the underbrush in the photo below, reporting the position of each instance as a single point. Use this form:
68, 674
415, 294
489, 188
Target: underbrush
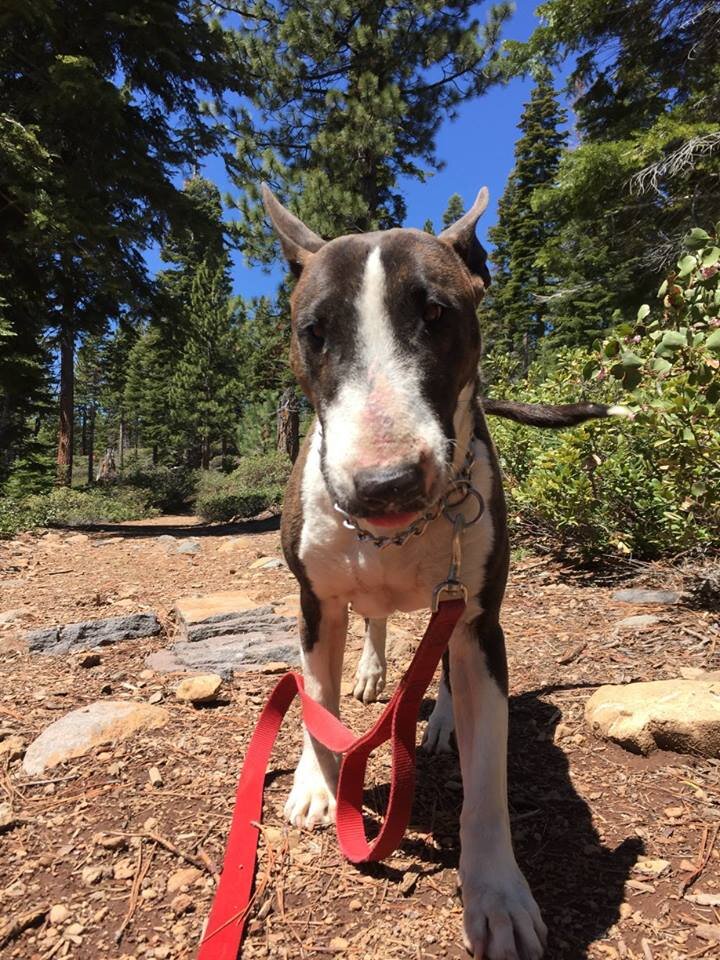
257, 484
166, 489
69, 507
645, 487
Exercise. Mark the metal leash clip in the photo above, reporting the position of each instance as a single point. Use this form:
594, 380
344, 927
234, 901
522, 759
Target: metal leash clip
452, 588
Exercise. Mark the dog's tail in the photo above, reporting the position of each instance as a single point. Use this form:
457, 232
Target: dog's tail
552, 415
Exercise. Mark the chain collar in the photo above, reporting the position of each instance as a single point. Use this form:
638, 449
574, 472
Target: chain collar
458, 490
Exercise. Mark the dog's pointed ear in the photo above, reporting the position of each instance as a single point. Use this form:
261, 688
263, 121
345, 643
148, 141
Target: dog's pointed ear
461, 237
298, 242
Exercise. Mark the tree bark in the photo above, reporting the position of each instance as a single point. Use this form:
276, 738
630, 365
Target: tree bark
121, 441
67, 396
288, 424
205, 454
90, 443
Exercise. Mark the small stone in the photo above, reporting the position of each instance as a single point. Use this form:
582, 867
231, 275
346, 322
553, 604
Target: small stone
88, 660
78, 538
91, 875
182, 878
155, 776
339, 944
110, 841
646, 596
58, 914
642, 621
7, 818
652, 867
12, 748
199, 689
182, 903
156, 697
188, 547
149, 893
355, 905
74, 930
626, 911
124, 869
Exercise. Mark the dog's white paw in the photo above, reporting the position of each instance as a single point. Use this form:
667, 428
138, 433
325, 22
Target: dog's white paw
501, 919
369, 679
312, 799
440, 726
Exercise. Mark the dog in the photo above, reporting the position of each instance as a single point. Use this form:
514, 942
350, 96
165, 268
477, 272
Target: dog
386, 346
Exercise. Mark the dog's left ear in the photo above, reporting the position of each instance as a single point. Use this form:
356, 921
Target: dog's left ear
298, 242
461, 237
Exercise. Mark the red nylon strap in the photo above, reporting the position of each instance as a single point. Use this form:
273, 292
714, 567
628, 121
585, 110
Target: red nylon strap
228, 916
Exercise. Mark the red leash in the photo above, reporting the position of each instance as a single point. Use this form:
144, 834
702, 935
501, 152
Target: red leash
228, 916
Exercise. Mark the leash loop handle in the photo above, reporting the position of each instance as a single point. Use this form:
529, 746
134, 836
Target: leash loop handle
225, 928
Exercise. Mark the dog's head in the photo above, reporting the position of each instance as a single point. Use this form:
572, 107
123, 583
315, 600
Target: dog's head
385, 339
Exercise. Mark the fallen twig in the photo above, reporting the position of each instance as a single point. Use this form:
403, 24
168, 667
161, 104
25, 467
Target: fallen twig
15, 927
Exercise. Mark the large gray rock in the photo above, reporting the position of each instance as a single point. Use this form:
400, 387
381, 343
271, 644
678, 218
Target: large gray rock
92, 633
75, 734
646, 596
224, 642
681, 715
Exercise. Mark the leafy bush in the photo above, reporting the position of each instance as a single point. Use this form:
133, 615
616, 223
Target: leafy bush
646, 487
167, 489
64, 506
257, 484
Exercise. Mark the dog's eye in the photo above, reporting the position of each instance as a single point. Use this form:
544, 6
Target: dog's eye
315, 334
432, 312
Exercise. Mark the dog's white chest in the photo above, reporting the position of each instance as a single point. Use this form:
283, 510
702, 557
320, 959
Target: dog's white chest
379, 582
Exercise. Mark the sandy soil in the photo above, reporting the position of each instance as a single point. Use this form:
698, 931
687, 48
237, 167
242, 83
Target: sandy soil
98, 838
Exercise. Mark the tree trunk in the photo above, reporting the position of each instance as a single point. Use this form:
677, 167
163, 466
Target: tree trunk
83, 436
205, 454
288, 424
67, 391
90, 443
155, 456
121, 442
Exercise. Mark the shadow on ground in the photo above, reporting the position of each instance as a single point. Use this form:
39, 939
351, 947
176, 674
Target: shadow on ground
132, 531
579, 883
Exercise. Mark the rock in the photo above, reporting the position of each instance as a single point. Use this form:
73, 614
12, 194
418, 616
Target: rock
681, 715
182, 903
266, 563
78, 538
182, 878
339, 944
10, 616
104, 721
199, 689
7, 818
12, 748
230, 545
91, 875
155, 777
88, 660
124, 869
641, 622
646, 596
651, 867
210, 614
58, 914
220, 633
156, 697
92, 633
696, 673
188, 547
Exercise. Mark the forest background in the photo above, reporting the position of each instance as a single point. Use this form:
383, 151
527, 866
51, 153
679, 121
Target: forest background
141, 370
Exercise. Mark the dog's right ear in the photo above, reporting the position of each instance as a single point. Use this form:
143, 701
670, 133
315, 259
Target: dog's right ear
461, 237
298, 242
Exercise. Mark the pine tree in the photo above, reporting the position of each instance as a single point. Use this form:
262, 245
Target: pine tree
515, 316
454, 210
349, 99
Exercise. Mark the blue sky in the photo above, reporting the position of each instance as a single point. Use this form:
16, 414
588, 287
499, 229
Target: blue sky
477, 149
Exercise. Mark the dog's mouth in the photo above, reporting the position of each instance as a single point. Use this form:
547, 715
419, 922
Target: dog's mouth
392, 520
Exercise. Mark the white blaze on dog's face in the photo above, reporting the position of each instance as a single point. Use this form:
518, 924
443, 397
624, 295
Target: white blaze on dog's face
385, 338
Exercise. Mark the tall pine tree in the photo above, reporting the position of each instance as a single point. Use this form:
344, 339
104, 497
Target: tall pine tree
516, 311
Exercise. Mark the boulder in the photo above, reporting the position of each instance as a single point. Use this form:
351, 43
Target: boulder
646, 596
92, 633
210, 614
75, 734
681, 715
202, 688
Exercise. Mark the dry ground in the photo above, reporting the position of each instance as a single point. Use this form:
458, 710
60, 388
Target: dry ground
589, 819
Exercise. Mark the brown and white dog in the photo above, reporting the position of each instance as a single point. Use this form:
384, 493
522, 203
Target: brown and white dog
386, 345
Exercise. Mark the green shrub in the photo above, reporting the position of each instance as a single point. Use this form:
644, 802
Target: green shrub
165, 488
64, 506
257, 484
646, 487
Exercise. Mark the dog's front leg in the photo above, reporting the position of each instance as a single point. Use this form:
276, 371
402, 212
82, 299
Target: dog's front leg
501, 918
323, 631
370, 676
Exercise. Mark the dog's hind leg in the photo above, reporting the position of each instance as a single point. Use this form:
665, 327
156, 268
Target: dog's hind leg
501, 918
323, 631
371, 671
440, 726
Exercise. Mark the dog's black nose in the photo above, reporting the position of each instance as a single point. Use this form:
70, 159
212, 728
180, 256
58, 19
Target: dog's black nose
398, 487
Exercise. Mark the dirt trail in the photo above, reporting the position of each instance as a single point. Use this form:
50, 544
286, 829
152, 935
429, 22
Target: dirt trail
589, 820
